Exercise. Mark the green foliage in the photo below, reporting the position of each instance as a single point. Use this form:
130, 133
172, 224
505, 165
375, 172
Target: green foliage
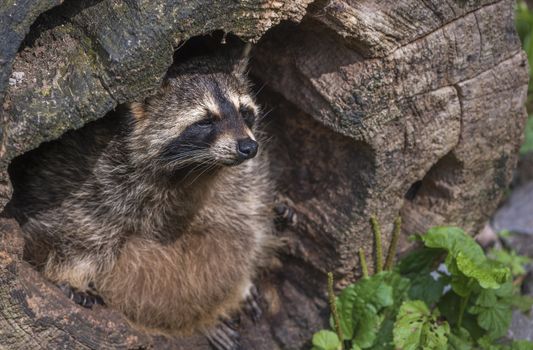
524, 26
417, 306
527, 146
465, 260
417, 327
326, 340
513, 261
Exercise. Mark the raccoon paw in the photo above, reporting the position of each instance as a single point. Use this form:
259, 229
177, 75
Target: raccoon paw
85, 299
225, 336
285, 216
251, 304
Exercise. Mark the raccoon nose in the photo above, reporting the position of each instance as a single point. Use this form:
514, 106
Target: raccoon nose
246, 148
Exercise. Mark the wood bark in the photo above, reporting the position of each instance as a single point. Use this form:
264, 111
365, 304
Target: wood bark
378, 107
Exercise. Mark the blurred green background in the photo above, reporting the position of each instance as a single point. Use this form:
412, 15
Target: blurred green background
524, 25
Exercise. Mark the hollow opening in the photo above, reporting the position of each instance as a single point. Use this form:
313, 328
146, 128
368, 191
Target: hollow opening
428, 201
413, 190
326, 176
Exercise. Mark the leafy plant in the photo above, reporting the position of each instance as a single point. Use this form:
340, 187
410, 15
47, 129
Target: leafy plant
513, 261
446, 295
418, 327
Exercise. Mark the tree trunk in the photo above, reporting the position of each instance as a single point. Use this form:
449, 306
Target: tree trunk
378, 107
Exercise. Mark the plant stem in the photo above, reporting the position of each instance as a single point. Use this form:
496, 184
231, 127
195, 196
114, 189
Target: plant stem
389, 262
462, 309
333, 306
377, 238
362, 260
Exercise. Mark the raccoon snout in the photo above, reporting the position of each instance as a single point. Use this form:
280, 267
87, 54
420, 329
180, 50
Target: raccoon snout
246, 148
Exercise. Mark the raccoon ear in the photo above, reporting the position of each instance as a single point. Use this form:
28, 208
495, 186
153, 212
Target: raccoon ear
241, 67
137, 110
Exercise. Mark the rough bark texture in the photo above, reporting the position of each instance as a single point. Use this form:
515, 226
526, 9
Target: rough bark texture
379, 107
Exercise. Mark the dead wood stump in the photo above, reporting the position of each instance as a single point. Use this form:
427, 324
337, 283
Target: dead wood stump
379, 107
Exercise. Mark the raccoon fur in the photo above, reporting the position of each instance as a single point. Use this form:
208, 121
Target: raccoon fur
164, 210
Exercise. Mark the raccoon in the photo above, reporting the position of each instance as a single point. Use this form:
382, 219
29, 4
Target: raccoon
162, 211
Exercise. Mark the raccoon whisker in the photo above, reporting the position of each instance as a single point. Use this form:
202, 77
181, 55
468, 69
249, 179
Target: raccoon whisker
198, 145
197, 154
193, 148
263, 115
184, 162
201, 160
261, 134
188, 156
188, 151
266, 141
259, 90
265, 125
210, 166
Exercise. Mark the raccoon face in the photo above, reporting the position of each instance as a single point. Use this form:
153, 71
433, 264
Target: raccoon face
200, 119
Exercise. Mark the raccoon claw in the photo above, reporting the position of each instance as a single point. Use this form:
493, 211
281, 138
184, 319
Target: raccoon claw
85, 299
285, 216
224, 337
251, 305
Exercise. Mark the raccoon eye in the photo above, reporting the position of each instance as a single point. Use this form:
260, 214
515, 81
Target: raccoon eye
248, 115
207, 122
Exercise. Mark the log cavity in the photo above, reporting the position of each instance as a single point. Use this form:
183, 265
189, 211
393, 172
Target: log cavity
323, 175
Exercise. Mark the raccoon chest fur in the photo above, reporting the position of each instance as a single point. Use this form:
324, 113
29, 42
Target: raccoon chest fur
183, 285
202, 274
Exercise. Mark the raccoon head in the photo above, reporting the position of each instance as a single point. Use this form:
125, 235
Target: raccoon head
204, 115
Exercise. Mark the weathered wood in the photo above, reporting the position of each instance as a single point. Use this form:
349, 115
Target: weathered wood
379, 107
16, 22
443, 112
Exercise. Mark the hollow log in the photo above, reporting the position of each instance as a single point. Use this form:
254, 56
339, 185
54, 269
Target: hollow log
378, 108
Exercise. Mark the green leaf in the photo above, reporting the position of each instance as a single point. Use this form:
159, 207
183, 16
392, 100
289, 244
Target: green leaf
488, 274
455, 241
520, 302
487, 343
448, 306
424, 287
368, 325
495, 319
419, 260
510, 259
486, 298
416, 327
345, 306
409, 324
359, 304
506, 290
384, 339
375, 290
522, 345
460, 339
465, 257
461, 284
399, 287
326, 340
436, 335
